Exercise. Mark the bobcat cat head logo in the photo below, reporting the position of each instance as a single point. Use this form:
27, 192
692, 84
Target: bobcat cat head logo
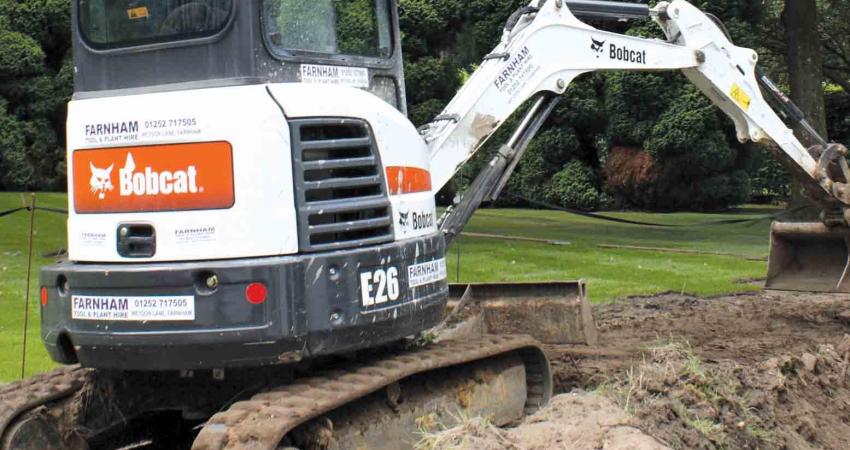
597, 46
101, 180
403, 218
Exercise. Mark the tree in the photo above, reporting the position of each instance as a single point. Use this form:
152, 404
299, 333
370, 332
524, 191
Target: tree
670, 148
803, 58
805, 72
834, 28
36, 77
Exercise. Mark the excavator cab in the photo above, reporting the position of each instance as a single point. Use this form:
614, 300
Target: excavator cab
237, 187
245, 188
148, 44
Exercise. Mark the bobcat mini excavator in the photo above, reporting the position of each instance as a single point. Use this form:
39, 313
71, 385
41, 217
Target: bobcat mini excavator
249, 205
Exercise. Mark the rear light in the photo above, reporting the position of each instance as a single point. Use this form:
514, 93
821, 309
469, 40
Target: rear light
43, 296
256, 293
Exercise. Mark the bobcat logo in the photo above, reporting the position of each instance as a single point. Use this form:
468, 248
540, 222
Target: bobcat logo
101, 180
597, 46
403, 219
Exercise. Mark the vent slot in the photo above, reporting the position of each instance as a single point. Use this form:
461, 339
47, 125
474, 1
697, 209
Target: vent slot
341, 193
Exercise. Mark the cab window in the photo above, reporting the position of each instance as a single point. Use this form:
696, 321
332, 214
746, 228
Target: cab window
108, 24
330, 27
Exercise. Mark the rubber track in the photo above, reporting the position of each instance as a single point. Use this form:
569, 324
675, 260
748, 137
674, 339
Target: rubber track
18, 398
262, 422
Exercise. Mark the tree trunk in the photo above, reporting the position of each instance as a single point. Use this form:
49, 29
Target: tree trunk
805, 68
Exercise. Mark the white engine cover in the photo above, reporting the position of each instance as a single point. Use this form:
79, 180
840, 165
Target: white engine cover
211, 169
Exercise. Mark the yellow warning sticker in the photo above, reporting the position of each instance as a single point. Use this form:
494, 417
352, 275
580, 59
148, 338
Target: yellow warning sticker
740, 96
138, 13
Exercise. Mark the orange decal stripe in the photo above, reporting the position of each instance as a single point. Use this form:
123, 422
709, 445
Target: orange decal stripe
173, 177
408, 180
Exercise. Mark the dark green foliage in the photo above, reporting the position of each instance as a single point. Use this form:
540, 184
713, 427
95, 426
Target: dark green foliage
698, 168
545, 157
770, 181
720, 191
12, 140
36, 81
838, 117
421, 22
575, 186
430, 78
633, 102
330, 26
698, 162
28, 150
358, 31
20, 55
422, 113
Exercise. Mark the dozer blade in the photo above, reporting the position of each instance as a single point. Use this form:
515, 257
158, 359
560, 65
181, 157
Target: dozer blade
551, 312
808, 257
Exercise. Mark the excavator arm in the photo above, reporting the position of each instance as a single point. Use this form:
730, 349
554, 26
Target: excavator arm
545, 47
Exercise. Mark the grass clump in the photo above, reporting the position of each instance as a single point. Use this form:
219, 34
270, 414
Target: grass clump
673, 384
467, 433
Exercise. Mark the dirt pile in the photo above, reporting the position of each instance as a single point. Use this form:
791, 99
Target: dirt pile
783, 402
575, 421
757, 371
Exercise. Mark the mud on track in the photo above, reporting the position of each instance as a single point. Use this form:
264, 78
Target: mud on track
756, 371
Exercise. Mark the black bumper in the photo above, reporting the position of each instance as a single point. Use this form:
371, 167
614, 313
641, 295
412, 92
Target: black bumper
313, 308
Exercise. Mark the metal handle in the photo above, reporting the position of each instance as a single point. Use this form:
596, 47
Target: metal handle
599, 9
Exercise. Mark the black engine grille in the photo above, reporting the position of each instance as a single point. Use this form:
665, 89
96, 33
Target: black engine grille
339, 185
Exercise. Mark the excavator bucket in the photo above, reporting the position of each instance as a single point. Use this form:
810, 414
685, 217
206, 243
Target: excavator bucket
808, 257
551, 312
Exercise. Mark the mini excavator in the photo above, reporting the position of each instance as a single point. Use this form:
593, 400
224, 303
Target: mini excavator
249, 206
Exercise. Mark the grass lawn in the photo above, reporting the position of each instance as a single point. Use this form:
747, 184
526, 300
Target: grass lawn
49, 237
616, 273
611, 273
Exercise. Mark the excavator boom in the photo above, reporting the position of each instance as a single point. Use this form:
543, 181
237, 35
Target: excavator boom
545, 47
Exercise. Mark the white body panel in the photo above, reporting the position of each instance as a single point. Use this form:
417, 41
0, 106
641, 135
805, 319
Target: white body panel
262, 221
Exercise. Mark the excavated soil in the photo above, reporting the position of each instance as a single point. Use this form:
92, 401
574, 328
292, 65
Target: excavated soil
762, 371
754, 371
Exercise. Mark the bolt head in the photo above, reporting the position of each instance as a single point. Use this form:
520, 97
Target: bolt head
562, 84
212, 281
124, 231
334, 272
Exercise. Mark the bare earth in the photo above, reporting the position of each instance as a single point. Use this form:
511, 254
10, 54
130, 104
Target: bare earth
764, 371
